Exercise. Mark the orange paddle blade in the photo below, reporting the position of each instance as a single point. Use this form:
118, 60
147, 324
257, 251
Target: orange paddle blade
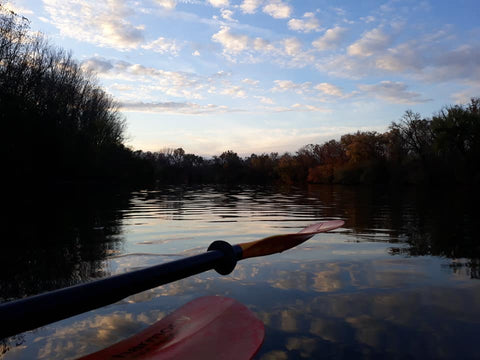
279, 243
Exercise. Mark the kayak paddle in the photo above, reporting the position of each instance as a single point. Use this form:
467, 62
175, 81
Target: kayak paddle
35, 311
210, 327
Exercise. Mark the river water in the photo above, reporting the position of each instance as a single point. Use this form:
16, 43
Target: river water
399, 280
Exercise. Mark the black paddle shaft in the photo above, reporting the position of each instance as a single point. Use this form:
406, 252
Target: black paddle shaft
35, 311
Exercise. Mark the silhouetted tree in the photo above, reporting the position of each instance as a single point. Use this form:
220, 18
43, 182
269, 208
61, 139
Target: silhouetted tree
307, 158
230, 167
261, 168
416, 134
456, 132
58, 124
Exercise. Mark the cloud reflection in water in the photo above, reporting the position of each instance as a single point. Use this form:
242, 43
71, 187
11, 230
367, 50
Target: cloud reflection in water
357, 309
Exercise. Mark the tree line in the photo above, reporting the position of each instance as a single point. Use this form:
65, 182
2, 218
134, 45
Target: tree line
442, 149
60, 125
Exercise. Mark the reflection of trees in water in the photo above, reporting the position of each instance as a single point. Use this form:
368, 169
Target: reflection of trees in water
58, 239
470, 268
432, 221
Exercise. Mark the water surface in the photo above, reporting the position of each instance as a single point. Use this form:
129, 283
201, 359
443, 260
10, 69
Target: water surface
399, 280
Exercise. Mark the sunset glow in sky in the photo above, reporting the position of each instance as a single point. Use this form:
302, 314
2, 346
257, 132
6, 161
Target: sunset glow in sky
259, 76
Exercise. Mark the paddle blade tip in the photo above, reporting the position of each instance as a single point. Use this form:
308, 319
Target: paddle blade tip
323, 227
280, 243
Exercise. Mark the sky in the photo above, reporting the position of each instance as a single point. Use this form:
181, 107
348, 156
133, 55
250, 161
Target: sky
261, 76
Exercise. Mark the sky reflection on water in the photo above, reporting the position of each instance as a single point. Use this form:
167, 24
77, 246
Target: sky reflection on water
340, 295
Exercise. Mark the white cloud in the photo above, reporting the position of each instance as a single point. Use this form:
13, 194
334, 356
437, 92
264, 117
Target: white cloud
265, 100
21, 10
234, 91
344, 66
339, 11
227, 15
329, 89
286, 52
263, 45
460, 63
277, 9
292, 46
219, 3
162, 45
149, 80
232, 43
306, 87
97, 65
399, 59
464, 96
167, 4
307, 107
309, 24
250, 82
331, 39
368, 19
185, 108
250, 6
288, 85
98, 22
139, 87
296, 56
371, 42
196, 53
394, 92
297, 107
122, 87
428, 59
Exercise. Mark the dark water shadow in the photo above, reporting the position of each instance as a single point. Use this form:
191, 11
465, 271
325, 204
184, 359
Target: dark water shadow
58, 238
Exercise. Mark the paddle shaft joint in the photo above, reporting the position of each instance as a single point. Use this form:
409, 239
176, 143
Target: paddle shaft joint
230, 256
